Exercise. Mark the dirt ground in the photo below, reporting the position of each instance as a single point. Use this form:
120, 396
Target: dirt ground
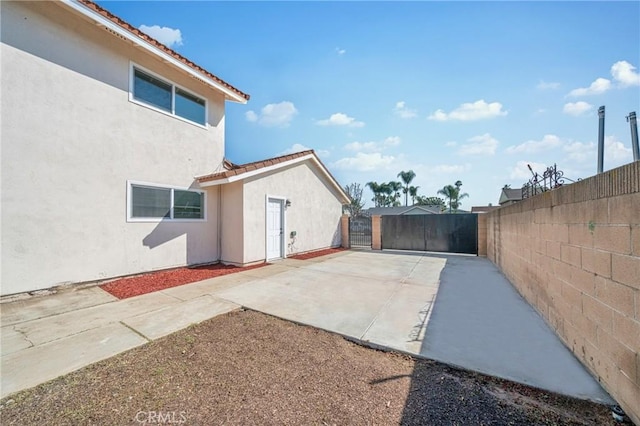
249, 368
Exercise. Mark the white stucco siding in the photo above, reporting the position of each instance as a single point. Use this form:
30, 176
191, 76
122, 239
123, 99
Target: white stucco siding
70, 141
232, 232
314, 212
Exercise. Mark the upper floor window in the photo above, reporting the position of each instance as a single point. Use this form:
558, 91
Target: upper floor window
165, 96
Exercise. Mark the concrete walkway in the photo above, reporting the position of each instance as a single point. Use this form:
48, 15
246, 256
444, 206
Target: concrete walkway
477, 321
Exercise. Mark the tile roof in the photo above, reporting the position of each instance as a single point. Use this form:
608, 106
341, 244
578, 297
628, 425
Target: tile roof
232, 170
130, 28
238, 169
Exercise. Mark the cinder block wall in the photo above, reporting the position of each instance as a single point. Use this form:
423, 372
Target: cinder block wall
574, 254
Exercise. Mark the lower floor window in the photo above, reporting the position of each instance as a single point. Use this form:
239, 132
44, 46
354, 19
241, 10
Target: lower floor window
147, 201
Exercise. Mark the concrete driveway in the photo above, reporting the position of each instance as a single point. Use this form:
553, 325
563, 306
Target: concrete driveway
381, 299
456, 309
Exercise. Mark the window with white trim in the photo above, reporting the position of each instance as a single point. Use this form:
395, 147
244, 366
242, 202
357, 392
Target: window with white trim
159, 202
164, 96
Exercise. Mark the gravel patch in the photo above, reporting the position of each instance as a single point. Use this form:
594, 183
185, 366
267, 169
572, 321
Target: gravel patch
245, 367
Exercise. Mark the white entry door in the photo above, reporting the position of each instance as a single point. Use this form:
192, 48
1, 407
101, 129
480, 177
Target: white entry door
275, 231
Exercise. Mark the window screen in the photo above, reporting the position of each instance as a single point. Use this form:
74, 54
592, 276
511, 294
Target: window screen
150, 202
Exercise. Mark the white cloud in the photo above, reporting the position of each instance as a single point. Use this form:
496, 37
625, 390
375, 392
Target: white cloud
623, 72
251, 116
439, 115
547, 142
616, 151
364, 162
274, 115
362, 146
543, 85
479, 145
576, 108
340, 51
478, 110
580, 152
340, 119
392, 141
168, 36
521, 171
402, 111
600, 85
373, 146
449, 168
297, 147
451, 143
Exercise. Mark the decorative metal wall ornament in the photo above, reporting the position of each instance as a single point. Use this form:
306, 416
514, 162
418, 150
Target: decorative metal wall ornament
551, 178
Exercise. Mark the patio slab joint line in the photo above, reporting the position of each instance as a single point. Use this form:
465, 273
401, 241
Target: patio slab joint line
382, 308
163, 291
136, 331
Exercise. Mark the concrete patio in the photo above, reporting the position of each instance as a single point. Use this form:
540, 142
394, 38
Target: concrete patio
456, 309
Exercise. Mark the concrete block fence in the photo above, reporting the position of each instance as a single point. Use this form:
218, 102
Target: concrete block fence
574, 254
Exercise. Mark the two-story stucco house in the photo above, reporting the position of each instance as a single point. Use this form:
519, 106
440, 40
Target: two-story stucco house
113, 161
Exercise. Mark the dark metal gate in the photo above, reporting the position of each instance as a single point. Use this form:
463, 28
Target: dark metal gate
453, 233
360, 231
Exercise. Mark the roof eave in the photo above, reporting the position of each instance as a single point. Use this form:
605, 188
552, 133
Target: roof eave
205, 182
122, 32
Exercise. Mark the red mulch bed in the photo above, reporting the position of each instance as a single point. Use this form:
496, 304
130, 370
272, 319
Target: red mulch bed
318, 253
141, 284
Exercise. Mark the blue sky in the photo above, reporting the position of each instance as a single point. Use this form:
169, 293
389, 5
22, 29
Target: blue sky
470, 91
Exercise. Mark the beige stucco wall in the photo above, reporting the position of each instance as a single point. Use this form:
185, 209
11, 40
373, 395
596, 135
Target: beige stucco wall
232, 232
574, 254
70, 141
314, 213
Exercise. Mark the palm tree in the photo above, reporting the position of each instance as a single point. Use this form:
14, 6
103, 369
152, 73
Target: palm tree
452, 192
457, 203
395, 190
449, 191
459, 196
375, 188
406, 177
413, 191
